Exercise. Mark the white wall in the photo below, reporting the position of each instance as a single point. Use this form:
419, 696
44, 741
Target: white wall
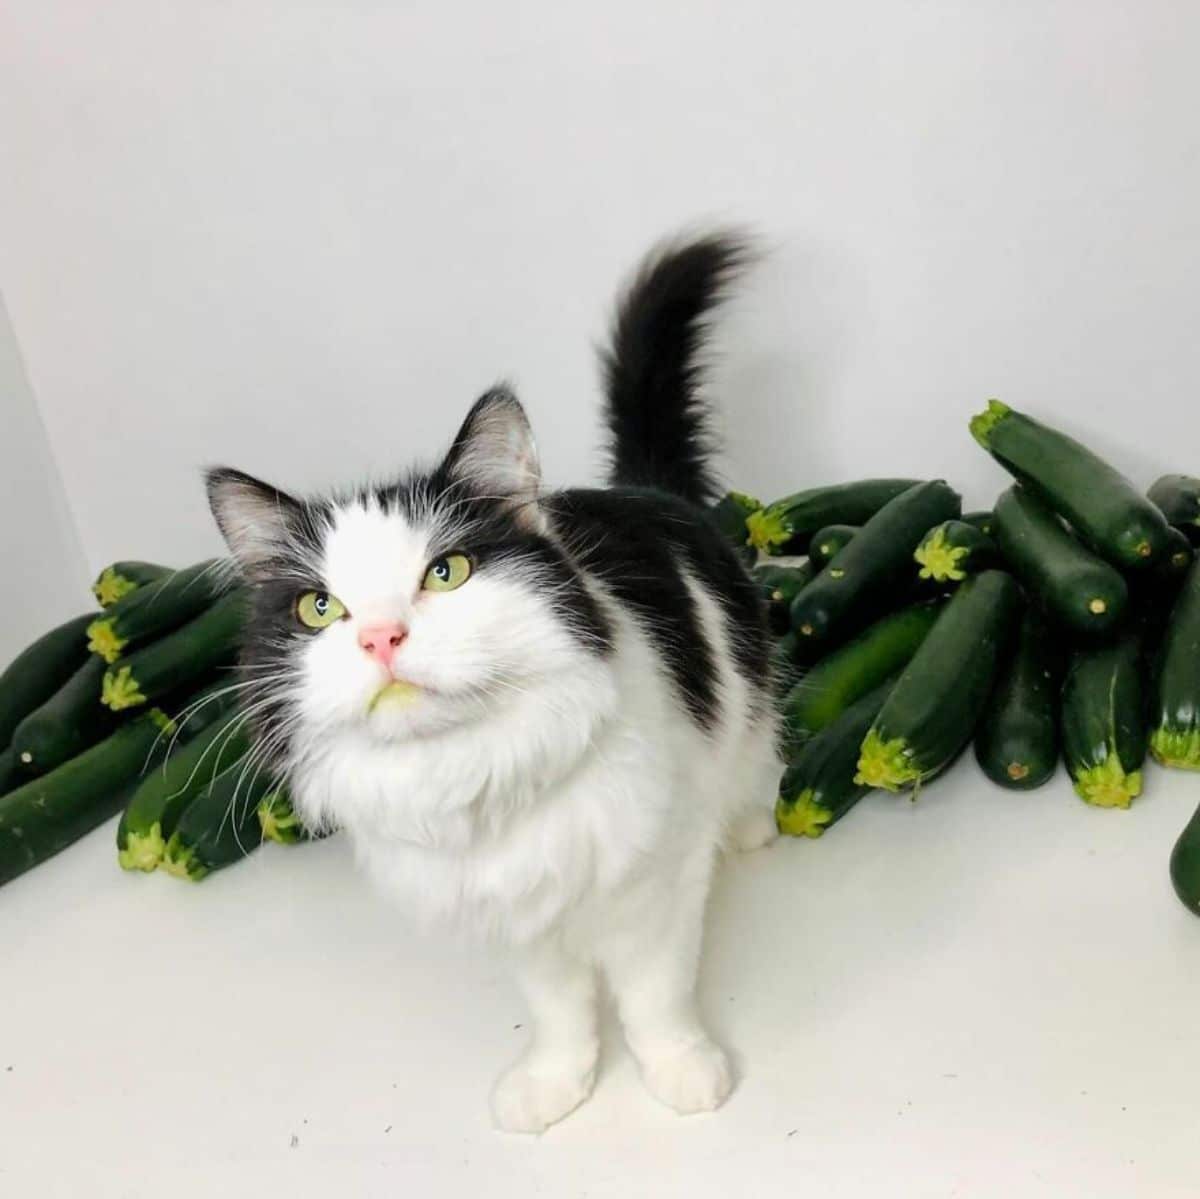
45, 578
301, 237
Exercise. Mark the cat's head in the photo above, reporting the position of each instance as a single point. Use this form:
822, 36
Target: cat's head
390, 613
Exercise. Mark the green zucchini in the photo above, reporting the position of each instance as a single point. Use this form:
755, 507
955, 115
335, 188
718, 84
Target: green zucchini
1078, 589
1185, 865
1177, 497
118, 580
1175, 740
1103, 507
49, 813
211, 740
787, 526
220, 826
982, 520
207, 641
819, 786
67, 723
38, 671
863, 579
951, 551
780, 585
730, 513
1016, 743
1104, 721
278, 820
158, 608
828, 541
10, 773
934, 707
859, 666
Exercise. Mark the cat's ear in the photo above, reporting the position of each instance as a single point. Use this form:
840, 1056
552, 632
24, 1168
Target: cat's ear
495, 454
253, 516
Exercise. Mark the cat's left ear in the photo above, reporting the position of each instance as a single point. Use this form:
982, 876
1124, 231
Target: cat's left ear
495, 454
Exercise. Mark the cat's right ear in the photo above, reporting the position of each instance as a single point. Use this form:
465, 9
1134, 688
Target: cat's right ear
253, 516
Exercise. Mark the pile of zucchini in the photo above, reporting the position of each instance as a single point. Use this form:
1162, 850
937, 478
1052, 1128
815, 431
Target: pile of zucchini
134, 710
1064, 623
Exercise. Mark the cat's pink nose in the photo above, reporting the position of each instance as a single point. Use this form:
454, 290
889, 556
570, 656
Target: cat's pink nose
381, 641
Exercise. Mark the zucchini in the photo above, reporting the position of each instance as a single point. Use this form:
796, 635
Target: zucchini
1175, 740
935, 705
220, 826
207, 641
787, 526
1104, 722
780, 585
1078, 589
1177, 497
67, 723
819, 787
156, 609
49, 813
278, 820
10, 773
729, 514
38, 671
827, 541
952, 550
1185, 864
121, 578
212, 740
859, 666
1103, 507
982, 520
1016, 743
863, 579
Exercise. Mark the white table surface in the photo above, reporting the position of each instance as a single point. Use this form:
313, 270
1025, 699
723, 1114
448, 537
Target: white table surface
980, 994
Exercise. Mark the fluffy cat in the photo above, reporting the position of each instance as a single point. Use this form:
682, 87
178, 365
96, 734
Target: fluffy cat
539, 715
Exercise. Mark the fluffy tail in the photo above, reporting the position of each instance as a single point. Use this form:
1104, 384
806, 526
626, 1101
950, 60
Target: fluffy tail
657, 422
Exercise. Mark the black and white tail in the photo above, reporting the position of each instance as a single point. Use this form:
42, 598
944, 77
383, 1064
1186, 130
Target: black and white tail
657, 421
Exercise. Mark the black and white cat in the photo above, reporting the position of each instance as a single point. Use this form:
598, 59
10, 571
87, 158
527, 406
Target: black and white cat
540, 715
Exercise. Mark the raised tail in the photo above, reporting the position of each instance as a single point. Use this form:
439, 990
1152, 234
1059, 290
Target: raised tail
656, 418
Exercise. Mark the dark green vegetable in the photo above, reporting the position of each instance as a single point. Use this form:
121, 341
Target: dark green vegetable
1104, 722
858, 667
157, 608
1175, 740
819, 786
780, 585
933, 709
1177, 497
1185, 865
220, 826
66, 724
951, 551
983, 521
10, 774
208, 641
1078, 589
119, 579
729, 514
868, 576
1104, 508
1016, 743
38, 671
211, 740
828, 541
49, 813
787, 526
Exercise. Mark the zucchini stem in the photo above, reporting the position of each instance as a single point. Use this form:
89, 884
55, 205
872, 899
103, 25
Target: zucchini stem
1177, 749
983, 424
940, 561
886, 764
804, 817
103, 639
1108, 785
110, 587
143, 851
120, 690
765, 529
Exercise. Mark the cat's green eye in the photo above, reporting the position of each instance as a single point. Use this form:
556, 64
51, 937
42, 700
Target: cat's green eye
445, 574
319, 609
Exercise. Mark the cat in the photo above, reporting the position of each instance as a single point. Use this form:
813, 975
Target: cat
537, 715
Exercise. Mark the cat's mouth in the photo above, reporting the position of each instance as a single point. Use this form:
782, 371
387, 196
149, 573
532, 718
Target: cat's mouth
396, 694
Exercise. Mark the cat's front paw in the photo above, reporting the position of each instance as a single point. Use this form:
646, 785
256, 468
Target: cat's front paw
529, 1098
690, 1080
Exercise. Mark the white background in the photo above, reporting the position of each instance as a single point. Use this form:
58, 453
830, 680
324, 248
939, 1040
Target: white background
301, 237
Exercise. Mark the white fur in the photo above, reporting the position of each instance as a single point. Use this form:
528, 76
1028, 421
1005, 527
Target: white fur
537, 793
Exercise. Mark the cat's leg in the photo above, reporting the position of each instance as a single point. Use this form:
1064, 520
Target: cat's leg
651, 959
756, 783
556, 1072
